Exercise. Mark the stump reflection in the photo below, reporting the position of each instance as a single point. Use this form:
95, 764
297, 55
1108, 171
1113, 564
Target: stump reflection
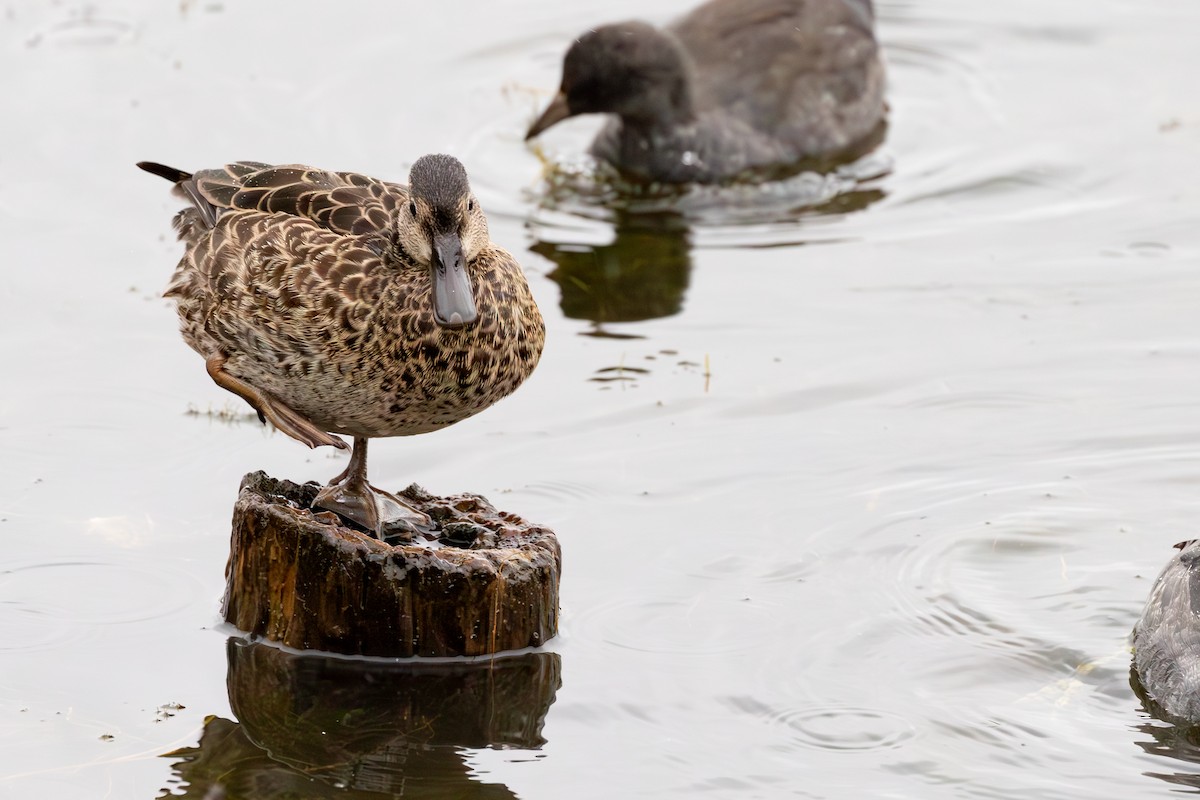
321, 726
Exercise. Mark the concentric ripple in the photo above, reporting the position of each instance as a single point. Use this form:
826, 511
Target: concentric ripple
704, 625
51, 603
835, 728
846, 729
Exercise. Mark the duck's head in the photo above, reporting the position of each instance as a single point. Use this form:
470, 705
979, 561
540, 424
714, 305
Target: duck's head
630, 69
442, 227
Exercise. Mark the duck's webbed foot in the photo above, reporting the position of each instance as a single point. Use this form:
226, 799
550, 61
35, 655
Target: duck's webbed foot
371, 507
281, 415
351, 496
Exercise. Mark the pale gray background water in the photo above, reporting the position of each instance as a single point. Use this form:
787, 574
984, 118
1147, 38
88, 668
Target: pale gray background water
891, 546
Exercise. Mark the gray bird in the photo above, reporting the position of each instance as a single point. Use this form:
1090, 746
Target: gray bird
735, 88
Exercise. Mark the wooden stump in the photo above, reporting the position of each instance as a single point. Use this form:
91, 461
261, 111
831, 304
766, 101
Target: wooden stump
304, 579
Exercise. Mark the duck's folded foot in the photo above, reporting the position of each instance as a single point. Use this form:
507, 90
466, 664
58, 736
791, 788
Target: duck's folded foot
371, 507
282, 416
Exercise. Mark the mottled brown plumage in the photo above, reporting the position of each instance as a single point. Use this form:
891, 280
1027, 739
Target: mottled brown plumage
334, 302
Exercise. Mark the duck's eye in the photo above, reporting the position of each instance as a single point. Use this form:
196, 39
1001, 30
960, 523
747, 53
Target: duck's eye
471, 204
412, 208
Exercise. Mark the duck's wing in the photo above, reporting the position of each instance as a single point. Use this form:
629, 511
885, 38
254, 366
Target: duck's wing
278, 252
764, 59
271, 288
343, 202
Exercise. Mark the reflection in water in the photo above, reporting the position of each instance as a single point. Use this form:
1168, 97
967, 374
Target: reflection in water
746, 213
321, 726
1178, 741
642, 274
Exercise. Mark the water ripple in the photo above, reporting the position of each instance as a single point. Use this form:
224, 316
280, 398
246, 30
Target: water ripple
705, 624
84, 29
567, 491
773, 568
836, 728
41, 613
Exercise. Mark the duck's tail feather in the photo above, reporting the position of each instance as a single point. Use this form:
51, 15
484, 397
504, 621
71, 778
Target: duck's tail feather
163, 171
184, 183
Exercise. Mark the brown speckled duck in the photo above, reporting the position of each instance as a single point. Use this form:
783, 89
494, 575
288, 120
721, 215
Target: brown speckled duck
736, 88
333, 302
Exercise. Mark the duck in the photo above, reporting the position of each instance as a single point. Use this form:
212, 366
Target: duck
735, 89
1166, 639
338, 304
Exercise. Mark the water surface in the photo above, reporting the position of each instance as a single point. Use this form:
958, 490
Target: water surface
858, 497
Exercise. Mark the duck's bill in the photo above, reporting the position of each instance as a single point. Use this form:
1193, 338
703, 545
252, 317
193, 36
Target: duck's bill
453, 295
556, 112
